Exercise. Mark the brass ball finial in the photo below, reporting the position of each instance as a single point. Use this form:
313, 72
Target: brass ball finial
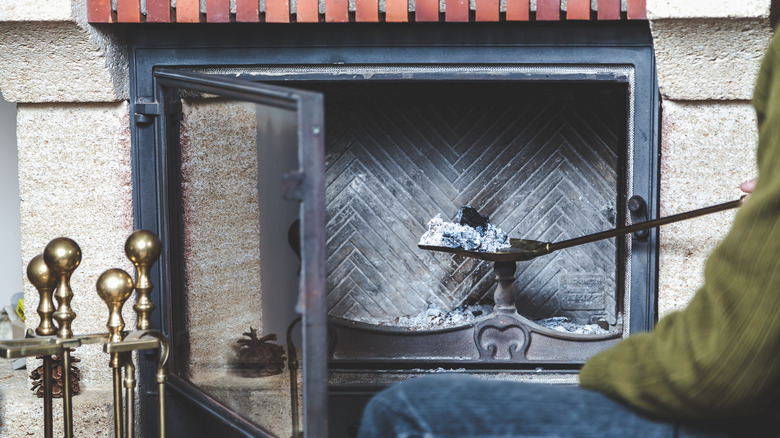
114, 287
62, 256
143, 246
143, 249
43, 280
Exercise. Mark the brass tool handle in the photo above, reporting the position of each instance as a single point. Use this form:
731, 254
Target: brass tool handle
143, 249
114, 287
646, 225
62, 256
45, 282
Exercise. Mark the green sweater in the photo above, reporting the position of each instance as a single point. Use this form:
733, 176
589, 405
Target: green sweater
720, 357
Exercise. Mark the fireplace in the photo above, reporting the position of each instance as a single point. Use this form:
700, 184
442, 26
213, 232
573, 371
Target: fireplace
542, 159
548, 130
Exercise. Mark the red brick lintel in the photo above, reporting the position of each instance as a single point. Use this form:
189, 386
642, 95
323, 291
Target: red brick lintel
248, 11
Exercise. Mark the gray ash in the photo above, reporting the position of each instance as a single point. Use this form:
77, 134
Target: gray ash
474, 232
434, 317
562, 324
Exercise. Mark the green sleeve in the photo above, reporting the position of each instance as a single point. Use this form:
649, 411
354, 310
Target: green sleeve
721, 355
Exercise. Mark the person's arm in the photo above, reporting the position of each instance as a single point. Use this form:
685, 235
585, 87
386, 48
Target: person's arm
720, 357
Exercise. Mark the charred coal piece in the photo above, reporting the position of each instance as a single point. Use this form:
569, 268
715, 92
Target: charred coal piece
470, 217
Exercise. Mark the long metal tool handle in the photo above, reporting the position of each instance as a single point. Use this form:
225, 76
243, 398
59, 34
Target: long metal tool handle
129, 396
646, 225
62, 256
117, 373
67, 395
48, 431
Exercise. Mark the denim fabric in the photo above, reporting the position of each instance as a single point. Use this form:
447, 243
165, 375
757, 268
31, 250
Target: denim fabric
461, 406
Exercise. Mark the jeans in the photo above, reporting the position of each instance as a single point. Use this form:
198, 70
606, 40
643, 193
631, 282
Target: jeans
461, 406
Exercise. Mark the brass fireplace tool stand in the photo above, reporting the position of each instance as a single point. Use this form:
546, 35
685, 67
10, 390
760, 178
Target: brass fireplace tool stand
50, 273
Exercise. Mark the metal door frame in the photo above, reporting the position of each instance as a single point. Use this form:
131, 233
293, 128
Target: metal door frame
153, 48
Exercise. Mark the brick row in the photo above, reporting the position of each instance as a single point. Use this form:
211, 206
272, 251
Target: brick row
366, 11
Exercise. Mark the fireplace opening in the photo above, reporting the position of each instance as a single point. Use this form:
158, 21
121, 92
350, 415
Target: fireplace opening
546, 131
544, 161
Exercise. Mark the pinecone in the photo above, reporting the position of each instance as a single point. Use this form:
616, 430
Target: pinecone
257, 357
56, 376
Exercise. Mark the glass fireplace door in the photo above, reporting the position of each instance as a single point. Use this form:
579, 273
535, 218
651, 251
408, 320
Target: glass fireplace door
244, 258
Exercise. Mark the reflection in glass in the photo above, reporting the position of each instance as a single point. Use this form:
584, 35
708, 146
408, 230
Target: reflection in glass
234, 219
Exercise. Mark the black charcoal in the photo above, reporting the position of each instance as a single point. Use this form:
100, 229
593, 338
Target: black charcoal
470, 217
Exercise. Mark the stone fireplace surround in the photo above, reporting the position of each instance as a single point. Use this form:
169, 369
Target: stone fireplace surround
543, 55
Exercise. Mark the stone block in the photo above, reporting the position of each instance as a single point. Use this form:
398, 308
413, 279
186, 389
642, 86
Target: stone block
708, 150
714, 59
658, 9
61, 61
35, 10
75, 181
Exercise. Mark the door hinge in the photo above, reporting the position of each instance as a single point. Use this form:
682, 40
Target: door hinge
145, 112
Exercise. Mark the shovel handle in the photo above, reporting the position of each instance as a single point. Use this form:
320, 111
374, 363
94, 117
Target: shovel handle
646, 225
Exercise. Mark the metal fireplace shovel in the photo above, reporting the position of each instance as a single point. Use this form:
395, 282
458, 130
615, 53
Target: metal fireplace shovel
522, 249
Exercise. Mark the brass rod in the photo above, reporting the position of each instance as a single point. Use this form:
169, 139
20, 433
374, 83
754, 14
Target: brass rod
45, 282
48, 431
114, 287
162, 377
161, 399
644, 225
130, 393
62, 256
67, 401
117, 402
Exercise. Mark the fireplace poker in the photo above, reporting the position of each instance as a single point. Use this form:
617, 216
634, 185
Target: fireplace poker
114, 287
45, 282
523, 249
143, 248
62, 256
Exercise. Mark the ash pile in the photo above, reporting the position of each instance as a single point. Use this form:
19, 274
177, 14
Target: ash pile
472, 232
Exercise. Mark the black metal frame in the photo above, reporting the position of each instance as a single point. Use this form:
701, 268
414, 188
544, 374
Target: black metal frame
155, 187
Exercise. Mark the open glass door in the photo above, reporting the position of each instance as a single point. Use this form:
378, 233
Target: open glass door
236, 153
